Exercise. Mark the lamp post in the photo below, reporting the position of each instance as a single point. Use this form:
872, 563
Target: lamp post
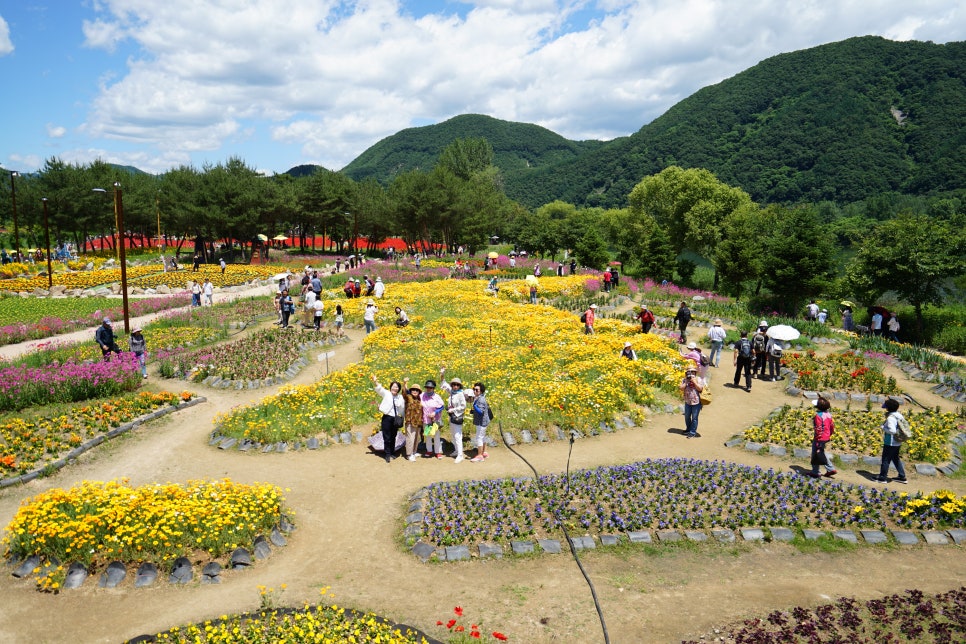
119, 222
157, 202
13, 197
50, 270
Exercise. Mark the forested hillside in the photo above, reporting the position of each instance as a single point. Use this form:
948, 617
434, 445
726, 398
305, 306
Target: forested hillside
516, 146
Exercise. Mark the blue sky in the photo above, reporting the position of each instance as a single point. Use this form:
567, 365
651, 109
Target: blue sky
158, 84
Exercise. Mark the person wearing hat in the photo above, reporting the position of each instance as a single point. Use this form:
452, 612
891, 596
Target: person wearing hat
356, 288
379, 288
628, 352
691, 388
590, 315
432, 407
104, 336
414, 418
369, 316
822, 316
891, 442
456, 409
759, 342
647, 319
824, 427
716, 335
288, 307
139, 347
481, 420
393, 408
208, 289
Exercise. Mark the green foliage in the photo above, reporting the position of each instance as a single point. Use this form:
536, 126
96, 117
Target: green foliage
798, 258
951, 339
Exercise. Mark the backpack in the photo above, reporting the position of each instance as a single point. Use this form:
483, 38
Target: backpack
744, 348
903, 428
759, 342
704, 360
776, 350
583, 317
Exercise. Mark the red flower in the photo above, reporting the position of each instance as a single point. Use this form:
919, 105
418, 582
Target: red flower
450, 624
460, 629
459, 611
500, 636
475, 634
439, 623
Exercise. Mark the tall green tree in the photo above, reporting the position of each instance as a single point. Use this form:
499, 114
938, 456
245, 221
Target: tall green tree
798, 257
739, 256
911, 255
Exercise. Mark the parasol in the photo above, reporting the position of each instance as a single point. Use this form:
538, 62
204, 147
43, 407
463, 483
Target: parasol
493, 255
532, 279
261, 237
279, 237
848, 303
783, 332
281, 276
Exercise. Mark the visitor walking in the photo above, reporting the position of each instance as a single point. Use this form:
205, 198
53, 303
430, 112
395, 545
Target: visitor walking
288, 307
716, 335
104, 336
743, 357
891, 443
339, 320
590, 315
683, 317
209, 291
823, 428
691, 388
647, 319
221, 263
139, 347
393, 409
369, 316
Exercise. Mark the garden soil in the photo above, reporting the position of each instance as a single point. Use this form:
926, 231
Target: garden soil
349, 509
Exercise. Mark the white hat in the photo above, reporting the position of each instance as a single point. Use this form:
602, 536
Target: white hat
593, 306
627, 345
378, 279
762, 323
692, 345
370, 301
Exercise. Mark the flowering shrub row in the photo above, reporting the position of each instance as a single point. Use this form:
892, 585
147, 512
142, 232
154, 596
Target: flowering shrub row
908, 617
26, 443
98, 522
265, 353
539, 367
34, 318
22, 386
662, 494
861, 432
839, 372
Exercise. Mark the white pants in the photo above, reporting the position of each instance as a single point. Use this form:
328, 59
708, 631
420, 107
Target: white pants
480, 436
457, 437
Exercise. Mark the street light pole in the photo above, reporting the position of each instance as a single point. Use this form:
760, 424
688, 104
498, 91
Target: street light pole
122, 255
13, 197
157, 202
50, 270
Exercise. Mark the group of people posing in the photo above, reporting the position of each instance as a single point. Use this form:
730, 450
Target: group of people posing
412, 416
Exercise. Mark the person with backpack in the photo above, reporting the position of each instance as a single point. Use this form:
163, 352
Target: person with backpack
647, 319
683, 318
588, 317
759, 343
823, 427
607, 281
775, 348
104, 336
895, 430
743, 357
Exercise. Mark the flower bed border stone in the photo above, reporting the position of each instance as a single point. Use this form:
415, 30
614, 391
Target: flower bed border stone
72, 455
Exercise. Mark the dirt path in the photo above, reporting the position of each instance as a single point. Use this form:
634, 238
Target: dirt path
349, 507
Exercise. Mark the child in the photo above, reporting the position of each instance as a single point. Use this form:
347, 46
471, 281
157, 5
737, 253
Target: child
824, 427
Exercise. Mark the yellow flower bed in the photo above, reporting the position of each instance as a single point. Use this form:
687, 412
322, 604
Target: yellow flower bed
538, 366
234, 274
80, 279
942, 505
861, 432
96, 522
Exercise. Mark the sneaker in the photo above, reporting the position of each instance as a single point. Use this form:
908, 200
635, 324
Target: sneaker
477, 459
831, 473
902, 480
881, 479
814, 475
440, 455
411, 457
459, 458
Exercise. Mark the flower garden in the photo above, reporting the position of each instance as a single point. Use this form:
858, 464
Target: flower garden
860, 431
539, 367
839, 372
95, 523
665, 494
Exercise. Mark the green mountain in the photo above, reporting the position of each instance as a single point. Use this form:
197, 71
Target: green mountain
516, 146
838, 122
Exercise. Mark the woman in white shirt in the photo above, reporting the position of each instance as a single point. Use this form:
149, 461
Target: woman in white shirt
392, 407
369, 316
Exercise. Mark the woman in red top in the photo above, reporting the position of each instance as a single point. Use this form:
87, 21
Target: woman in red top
824, 427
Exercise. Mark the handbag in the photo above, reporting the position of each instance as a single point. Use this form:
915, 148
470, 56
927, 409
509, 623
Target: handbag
454, 418
705, 396
397, 420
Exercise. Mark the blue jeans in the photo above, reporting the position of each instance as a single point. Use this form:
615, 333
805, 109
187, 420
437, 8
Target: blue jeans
370, 326
691, 418
715, 357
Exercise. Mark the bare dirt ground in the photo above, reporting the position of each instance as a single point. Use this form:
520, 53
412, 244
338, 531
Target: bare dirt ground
349, 508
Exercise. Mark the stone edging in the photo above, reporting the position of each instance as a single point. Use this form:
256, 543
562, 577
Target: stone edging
427, 551
181, 570
97, 440
923, 469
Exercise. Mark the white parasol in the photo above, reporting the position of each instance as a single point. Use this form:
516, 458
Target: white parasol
783, 332
281, 276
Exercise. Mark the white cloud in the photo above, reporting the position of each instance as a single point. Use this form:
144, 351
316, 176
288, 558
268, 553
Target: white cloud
56, 131
334, 77
6, 45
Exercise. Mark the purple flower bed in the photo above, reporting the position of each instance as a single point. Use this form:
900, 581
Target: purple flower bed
658, 495
22, 387
909, 617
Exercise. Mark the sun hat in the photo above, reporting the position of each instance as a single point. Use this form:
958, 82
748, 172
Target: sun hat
430, 384
692, 345
456, 381
762, 323
415, 387
627, 344
378, 279
691, 368
137, 329
717, 321
593, 306
107, 320
370, 301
